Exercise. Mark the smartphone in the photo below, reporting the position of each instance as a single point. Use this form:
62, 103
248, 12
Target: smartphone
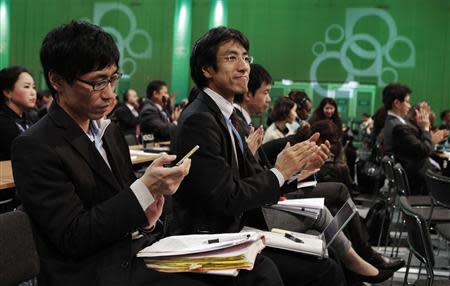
188, 155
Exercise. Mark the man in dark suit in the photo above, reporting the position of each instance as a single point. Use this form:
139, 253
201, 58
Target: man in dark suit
74, 176
226, 187
154, 117
127, 114
396, 99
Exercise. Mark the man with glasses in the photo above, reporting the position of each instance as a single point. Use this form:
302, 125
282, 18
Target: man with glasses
74, 176
226, 188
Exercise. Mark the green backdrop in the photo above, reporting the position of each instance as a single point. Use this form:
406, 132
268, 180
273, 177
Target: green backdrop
367, 41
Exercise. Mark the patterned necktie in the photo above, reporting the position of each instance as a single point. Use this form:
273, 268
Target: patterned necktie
233, 122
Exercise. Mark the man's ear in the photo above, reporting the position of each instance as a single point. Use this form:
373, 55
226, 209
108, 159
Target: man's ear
55, 81
247, 96
207, 71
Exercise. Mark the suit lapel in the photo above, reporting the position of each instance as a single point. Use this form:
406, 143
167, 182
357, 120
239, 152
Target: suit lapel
113, 156
76, 137
223, 125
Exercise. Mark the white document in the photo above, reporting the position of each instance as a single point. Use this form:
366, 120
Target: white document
196, 243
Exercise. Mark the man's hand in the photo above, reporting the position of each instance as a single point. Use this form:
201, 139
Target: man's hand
423, 116
153, 212
165, 181
176, 114
439, 136
293, 159
254, 140
323, 153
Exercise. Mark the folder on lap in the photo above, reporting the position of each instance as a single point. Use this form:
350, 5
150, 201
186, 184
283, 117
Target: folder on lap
220, 254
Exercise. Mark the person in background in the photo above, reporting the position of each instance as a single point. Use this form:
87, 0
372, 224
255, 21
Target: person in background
284, 112
304, 106
413, 145
44, 101
127, 114
327, 109
17, 95
445, 120
154, 118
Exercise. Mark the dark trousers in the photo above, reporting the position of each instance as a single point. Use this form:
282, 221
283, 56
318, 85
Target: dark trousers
304, 270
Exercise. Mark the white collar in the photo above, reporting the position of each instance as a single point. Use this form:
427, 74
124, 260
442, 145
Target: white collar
224, 105
98, 127
158, 106
131, 107
397, 116
247, 116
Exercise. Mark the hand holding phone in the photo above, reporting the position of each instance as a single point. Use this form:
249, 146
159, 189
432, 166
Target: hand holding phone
188, 155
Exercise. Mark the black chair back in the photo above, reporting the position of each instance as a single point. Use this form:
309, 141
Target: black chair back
388, 168
439, 188
19, 260
418, 235
401, 180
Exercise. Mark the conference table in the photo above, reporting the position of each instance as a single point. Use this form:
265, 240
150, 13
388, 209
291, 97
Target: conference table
138, 157
6, 176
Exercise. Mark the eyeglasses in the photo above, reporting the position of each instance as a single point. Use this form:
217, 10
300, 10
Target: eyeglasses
235, 58
102, 84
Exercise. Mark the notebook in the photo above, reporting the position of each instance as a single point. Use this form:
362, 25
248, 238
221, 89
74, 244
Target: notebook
315, 245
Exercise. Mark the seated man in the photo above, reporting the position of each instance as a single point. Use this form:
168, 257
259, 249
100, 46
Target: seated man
127, 114
225, 183
154, 118
74, 176
410, 143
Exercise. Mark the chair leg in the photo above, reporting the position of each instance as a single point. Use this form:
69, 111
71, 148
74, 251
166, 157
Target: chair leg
408, 264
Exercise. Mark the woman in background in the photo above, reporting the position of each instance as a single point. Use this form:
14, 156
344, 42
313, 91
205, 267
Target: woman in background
17, 95
283, 112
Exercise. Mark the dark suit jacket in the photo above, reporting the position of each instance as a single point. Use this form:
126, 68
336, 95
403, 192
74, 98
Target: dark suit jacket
216, 193
9, 130
81, 211
126, 120
152, 120
389, 125
412, 148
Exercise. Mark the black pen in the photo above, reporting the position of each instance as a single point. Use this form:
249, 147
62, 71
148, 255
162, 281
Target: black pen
293, 238
216, 240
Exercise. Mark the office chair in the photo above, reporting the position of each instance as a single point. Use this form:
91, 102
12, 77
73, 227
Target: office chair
419, 240
19, 260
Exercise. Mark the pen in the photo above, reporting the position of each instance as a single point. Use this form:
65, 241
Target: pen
216, 240
293, 238
287, 234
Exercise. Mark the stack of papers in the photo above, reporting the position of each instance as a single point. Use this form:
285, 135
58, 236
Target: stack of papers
306, 207
222, 254
306, 243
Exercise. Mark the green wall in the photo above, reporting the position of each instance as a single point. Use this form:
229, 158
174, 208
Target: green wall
283, 35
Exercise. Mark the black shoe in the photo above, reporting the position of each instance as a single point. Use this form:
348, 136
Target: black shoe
382, 275
383, 262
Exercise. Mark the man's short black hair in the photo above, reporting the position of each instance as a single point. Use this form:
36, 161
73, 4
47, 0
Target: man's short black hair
154, 85
258, 76
8, 79
444, 113
299, 97
76, 48
204, 52
394, 91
